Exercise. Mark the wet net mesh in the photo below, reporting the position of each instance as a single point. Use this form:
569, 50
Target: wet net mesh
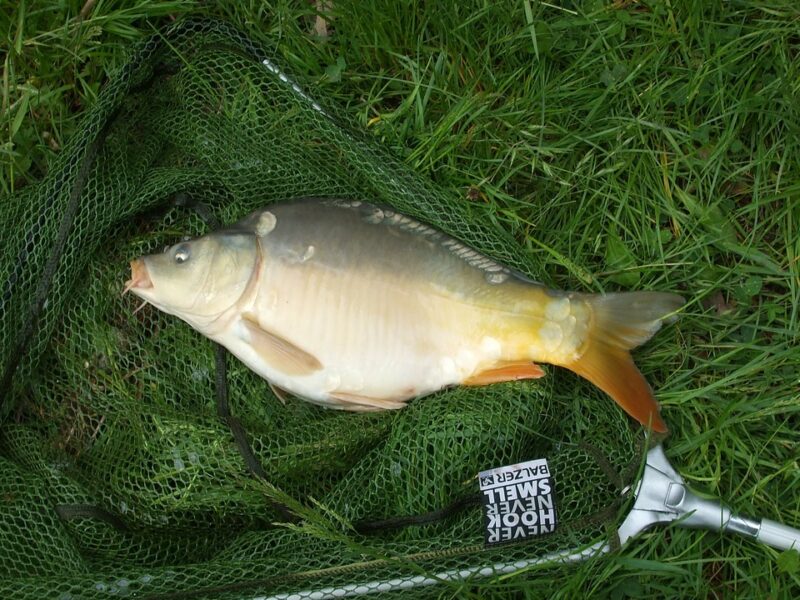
128, 468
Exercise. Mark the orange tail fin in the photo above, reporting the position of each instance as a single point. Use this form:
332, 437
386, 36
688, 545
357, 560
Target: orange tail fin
621, 322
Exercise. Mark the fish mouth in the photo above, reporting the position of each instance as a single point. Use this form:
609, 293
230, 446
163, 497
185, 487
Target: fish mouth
140, 278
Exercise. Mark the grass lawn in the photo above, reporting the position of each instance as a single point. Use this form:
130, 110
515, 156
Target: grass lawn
626, 145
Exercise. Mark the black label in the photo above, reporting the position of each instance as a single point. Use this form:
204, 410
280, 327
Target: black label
518, 501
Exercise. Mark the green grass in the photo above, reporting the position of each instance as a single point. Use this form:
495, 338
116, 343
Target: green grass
626, 145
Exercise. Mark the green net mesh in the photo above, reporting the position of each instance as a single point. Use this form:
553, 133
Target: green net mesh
118, 475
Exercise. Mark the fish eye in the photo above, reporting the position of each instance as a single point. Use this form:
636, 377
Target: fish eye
182, 254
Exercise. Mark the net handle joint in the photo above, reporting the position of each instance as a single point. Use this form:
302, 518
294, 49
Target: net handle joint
662, 496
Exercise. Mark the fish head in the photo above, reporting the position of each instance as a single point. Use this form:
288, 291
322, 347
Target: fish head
197, 279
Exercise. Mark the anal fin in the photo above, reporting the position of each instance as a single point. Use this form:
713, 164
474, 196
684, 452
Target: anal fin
506, 371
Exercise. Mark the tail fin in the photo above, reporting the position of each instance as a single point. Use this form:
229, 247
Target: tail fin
622, 322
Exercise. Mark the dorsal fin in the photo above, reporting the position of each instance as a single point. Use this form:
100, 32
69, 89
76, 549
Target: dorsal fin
383, 215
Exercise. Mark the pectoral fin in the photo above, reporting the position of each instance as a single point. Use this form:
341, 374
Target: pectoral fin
278, 351
509, 371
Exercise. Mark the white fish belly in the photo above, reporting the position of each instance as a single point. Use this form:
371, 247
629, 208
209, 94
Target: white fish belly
375, 336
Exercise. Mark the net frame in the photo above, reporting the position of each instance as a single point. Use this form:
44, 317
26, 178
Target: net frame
55, 257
